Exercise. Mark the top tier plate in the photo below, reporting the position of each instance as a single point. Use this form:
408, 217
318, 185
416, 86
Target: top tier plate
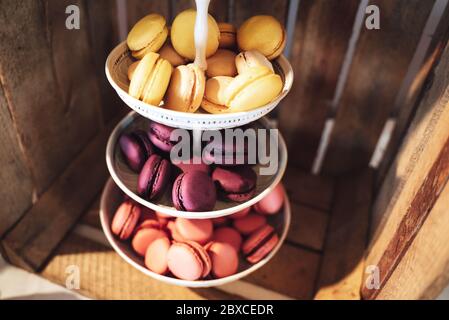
116, 71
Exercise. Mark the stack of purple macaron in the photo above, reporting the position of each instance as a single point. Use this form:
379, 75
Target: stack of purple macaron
196, 249
194, 186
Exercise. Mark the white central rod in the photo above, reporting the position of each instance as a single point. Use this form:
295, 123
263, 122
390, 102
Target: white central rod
202, 7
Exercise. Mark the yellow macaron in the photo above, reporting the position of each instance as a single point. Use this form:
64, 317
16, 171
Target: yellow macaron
222, 63
147, 35
182, 34
262, 33
252, 89
150, 79
168, 53
186, 89
214, 96
251, 59
227, 36
132, 68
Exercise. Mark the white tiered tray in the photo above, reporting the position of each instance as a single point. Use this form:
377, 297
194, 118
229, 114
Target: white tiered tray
116, 71
111, 199
127, 179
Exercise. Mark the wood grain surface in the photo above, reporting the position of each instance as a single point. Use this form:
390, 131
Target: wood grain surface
104, 275
48, 78
248, 8
307, 189
414, 218
417, 163
322, 33
415, 93
104, 36
15, 176
380, 62
137, 9
422, 237
342, 264
30, 243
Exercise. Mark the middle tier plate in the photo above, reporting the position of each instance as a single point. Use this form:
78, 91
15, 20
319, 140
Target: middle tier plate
127, 179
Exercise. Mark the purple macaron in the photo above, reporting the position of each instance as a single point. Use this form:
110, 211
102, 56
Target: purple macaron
194, 191
159, 135
227, 154
154, 177
136, 148
235, 183
193, 164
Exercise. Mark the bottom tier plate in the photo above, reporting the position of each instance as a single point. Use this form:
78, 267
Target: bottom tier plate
111, 199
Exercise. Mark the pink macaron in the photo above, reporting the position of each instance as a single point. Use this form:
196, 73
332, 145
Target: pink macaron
241, 213
163, 215
147, 214
198, 230
171, 227
250, 223
156, 255
260, 243
228, 235
145, 234
271, 203
188, 261
125, 219
225, 260
220, 221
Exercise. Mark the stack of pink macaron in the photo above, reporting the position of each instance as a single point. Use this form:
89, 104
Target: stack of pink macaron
196, 186
195, 249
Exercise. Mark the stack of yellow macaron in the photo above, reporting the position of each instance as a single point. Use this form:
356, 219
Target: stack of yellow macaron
239, 75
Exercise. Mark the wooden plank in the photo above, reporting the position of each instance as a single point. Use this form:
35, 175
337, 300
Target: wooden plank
104, 275
322, 33
412, 221
180, 5
15, 177
291, 272
248, 8
379, 65
104, 36
419, 152
137, 9
310, 190
425, 261
438, 285
308, 226
31, 241
342, 263
219, 9
47, 77
415, 94
91, 217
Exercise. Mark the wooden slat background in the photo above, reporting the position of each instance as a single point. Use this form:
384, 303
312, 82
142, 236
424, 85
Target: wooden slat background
322, 33
415, 180
407, 110
379, 65
54, 103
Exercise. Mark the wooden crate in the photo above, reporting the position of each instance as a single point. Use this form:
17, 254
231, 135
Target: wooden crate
363, 211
